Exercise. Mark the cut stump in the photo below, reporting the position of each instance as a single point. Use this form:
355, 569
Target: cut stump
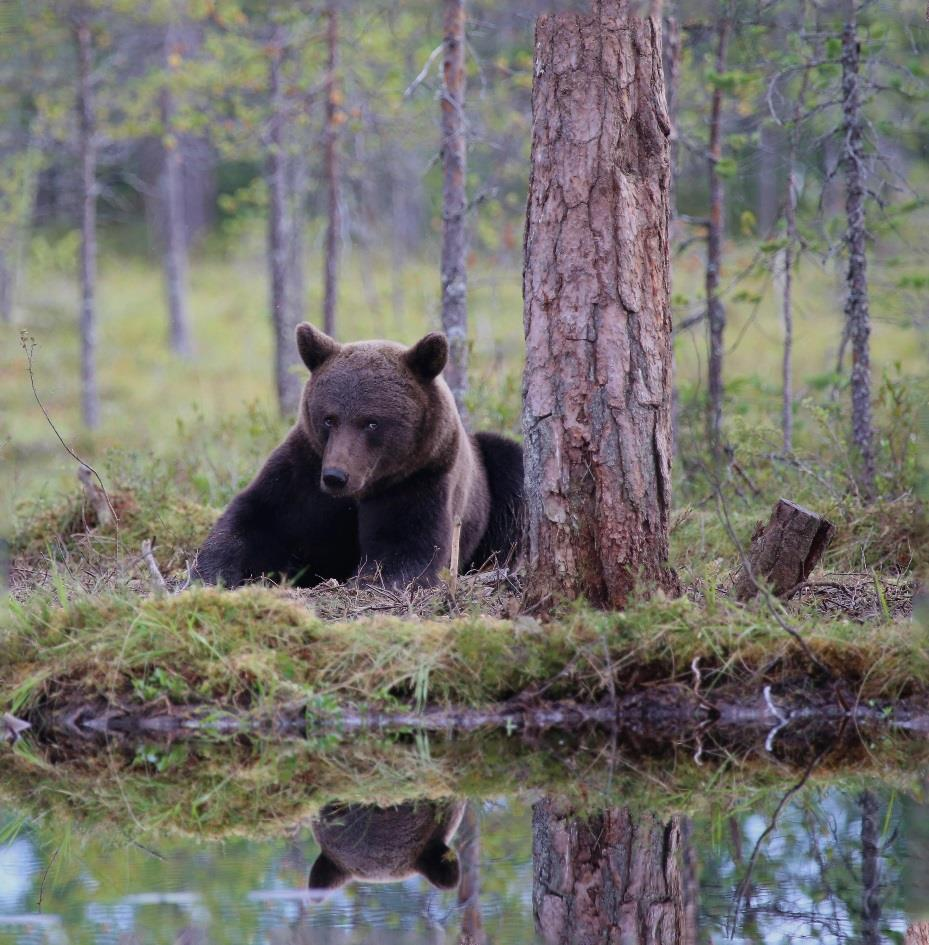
785, 551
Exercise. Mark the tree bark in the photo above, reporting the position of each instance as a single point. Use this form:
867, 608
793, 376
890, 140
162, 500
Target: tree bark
175, 231
716, 313
455, 203
288, 384
917, 934
596, 288
334, 220
612, 877
87, 138
857, 313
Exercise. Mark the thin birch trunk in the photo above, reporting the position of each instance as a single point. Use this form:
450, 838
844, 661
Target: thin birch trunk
857, 312
287, 383
7, 286
296, 228
87, 128
790, 256
334, 218
455, 203
175, 233
597, 318
716, 313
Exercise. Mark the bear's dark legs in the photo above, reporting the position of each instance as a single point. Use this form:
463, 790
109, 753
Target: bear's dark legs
405, 532
283, 526
503, 460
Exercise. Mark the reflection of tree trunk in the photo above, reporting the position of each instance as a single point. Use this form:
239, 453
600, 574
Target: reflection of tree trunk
334, 220
596, 290
87, 124
870, 871
468, 843
454, 204
612, 877
175, 229
857, 313
716, 313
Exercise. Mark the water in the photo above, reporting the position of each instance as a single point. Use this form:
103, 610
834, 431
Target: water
847, 862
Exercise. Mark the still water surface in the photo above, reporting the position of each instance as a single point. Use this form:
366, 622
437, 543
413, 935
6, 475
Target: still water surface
818, 876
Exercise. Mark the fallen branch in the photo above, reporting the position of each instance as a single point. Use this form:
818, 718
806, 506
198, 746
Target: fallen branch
154, 570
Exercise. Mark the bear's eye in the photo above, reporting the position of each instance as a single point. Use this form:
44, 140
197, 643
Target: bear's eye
330, 422
371, 425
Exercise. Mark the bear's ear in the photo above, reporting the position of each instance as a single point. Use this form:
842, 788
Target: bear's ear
428, 356
326, 876
315, 348
439, 864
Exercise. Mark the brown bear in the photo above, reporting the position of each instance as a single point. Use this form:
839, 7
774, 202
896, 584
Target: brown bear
385, 844
372, 476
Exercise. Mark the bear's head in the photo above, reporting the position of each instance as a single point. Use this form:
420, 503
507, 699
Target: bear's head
385, 844
375, 410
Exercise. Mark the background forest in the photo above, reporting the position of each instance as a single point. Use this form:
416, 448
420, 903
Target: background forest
185, 181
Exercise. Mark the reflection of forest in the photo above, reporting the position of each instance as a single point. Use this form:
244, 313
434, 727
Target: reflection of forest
838, 865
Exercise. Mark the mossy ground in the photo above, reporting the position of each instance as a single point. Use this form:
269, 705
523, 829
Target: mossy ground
257, 649
82, 621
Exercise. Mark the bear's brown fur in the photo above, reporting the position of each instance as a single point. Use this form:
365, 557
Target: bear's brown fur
385, 844
371, 478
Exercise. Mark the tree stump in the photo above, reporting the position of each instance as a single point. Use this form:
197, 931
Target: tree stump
785, 551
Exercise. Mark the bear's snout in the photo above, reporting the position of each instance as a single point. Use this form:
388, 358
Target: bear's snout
334, 479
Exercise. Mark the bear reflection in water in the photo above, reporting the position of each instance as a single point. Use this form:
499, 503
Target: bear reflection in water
385, 844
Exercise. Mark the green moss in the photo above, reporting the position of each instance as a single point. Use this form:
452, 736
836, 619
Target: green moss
256, 647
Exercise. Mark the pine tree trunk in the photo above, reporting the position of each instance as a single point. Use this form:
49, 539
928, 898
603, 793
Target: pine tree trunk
334, 221
612, 877
288, 384
716, 313
87, 128
857, 314
596, 289
175, 234
455, 203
